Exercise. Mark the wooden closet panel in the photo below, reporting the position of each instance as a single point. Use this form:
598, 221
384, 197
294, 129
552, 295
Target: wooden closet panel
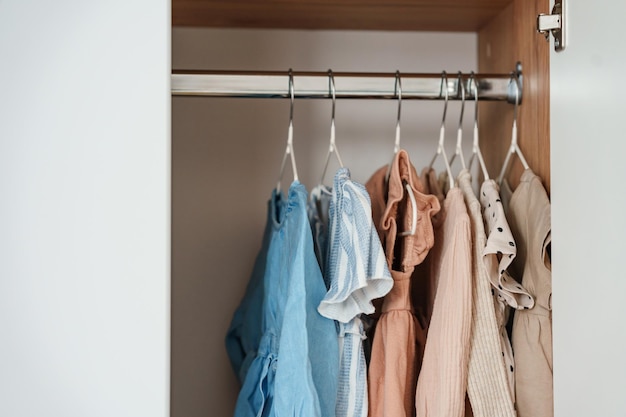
499, 48
443, 15
495, 54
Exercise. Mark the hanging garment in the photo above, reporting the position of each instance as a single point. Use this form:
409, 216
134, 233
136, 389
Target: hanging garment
499, 252
245, 332
487, 383
442, 382
318, 210
424, 283
357, 273
529, 215
399, 338
294, 372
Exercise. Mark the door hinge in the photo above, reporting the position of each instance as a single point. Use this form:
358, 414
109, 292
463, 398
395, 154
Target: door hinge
554, 23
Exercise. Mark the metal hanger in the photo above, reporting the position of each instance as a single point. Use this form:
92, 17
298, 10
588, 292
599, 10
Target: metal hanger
476, 153
398, 90
442, 132
396, 149
514, 148
289, 147
459, 134
332, 147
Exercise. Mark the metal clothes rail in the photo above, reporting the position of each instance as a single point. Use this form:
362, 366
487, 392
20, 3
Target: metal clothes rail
255, 84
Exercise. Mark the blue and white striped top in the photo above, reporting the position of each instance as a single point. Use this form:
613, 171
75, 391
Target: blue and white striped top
356, 273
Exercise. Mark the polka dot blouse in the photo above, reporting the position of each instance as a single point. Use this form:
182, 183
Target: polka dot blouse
498, 254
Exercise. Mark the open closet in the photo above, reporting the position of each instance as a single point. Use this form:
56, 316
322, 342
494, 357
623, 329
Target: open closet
226, 152
130, 218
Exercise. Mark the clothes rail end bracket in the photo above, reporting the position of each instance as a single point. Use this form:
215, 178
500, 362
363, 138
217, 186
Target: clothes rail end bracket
513, 95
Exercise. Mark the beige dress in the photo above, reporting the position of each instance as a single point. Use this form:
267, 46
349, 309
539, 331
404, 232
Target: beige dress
487, 385
399, 337
529, 217
442, 382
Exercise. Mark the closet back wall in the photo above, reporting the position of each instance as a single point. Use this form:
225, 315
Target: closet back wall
226, 158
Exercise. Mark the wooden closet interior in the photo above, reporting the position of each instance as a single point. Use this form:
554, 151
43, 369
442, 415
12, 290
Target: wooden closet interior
506, 34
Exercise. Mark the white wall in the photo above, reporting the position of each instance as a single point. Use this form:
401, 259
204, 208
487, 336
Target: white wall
84, 212
226, 157
588, 213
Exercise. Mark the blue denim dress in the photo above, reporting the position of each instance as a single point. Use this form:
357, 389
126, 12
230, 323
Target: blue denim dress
294, 370
245, 332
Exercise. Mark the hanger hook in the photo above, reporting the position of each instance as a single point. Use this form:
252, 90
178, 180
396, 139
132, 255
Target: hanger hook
461, 87
476, 153
517, 90
514, 148
333, 92
475, 85
398, 92
440, 148
332, 147
459, 134
291, 95
289, 148
444, 88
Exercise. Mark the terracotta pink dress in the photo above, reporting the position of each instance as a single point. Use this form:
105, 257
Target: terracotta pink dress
399, 337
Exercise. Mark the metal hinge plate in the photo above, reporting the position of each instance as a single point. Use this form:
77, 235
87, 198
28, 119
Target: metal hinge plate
554, 23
